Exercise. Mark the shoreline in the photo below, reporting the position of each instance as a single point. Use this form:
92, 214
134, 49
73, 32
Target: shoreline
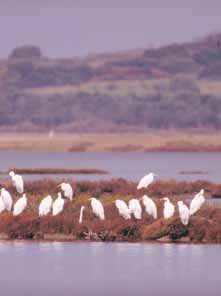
56, 239
152, 141
108, 237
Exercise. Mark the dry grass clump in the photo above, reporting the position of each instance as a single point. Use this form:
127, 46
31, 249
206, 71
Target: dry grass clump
204, 227
30, 226
172, 187
155, 230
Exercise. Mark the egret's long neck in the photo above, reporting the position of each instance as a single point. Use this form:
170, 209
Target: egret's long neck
81, 214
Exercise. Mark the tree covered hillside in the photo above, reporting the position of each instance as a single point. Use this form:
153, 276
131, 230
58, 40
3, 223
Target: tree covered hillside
175, 86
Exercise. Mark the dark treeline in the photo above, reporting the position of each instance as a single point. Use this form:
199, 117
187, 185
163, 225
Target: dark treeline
90, 112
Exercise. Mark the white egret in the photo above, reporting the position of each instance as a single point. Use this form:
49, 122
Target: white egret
2, 205
197, 202
17, 181
169, 208
200, 193
135, 208
20, 205
150, 206
146, 181
45, 206
58, 205
184, 212
123, 209
81, 214
67, 190
97, 208
7, 199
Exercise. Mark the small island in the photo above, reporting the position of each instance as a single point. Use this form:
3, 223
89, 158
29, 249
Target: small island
203, 227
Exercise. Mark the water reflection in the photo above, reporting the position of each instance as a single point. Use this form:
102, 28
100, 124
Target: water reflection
130, 248
109, 269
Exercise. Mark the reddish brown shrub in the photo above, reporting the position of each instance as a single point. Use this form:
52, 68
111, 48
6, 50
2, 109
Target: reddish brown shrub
204, 226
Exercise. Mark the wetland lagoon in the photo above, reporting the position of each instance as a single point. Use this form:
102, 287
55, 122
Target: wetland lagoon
56, 256
187, 166
127, 269
124, 171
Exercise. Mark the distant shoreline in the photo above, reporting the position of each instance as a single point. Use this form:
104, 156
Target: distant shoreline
153, 141
56, 171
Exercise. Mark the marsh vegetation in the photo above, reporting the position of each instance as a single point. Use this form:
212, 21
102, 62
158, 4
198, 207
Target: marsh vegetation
204, 226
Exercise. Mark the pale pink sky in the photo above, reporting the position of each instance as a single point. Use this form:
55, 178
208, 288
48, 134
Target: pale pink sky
64, 28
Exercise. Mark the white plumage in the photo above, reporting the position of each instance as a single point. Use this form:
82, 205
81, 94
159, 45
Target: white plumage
200, 193
150, 206
146, 181
67, 189
135, 208
2, 205
45, 206
97, 208
20, 205
81, 214
7, 199
197, 202
184, 212
58, 205
123, 209
169, 208
17, 181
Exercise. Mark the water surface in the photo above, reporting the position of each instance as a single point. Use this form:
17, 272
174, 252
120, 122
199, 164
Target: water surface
131, 165
109, 269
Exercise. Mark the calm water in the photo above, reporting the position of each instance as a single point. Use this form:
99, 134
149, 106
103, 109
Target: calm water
109, 269
130, 166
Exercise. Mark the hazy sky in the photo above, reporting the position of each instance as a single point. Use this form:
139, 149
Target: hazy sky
77, 27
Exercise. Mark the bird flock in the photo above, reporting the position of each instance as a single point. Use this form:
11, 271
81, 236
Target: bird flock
47, 205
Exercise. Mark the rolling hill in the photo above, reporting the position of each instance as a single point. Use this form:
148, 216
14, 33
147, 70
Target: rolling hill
175, 86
